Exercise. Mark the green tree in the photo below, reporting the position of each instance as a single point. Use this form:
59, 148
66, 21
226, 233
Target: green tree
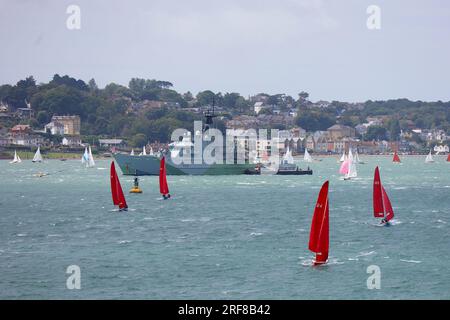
42, 117
394, 129
139, 140
375, 133
92, 85
205, 98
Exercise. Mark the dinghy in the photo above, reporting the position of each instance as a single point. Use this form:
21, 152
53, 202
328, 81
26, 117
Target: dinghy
429, 158
116, 190
37, 156
396, 158
307, 157
16, 158
132, 152
319, 235
144, 152
151, 152
382, 207
343, 158
163, 187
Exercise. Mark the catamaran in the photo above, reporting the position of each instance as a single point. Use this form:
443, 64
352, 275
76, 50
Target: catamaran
307, 157
382, 207
319, 235
396, 158
116, 190
16, 158
163, 187
429, 158
37, 156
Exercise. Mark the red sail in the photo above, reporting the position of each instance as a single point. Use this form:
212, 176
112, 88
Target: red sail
116, 190
378, 208
448, 158
396, 157
319, 235
113, 175
163, 187
389, 212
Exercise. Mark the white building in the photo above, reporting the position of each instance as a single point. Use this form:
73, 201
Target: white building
71, 141
111, 142
55, 128
258, 106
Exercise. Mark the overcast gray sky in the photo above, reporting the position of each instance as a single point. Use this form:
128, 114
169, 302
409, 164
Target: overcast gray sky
246, 46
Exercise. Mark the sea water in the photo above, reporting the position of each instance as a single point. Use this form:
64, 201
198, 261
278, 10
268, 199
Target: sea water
222, 237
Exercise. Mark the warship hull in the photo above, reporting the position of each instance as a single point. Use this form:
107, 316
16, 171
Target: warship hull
149, 166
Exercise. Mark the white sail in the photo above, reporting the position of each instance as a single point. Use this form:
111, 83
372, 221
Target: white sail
16, 158
429, 158
144, 152
37, 156
132, 152
287, 158
91, 162
151, 151
307, 157
352, 172
343, 157
85, 156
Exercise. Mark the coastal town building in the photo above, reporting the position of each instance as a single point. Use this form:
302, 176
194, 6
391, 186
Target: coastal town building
21, 129
54, 128
5, 141
72, 124
338, 131
27, 140
71, 141
106, 143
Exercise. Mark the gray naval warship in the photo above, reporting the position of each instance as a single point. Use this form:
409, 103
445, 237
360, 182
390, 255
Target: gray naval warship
139, 165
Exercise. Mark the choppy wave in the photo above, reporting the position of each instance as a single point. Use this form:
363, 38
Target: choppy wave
410, 261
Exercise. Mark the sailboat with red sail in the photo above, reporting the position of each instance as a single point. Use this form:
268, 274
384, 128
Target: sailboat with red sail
448, 158
382, 207
116, 190
319, 235
396, 157
163, 187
